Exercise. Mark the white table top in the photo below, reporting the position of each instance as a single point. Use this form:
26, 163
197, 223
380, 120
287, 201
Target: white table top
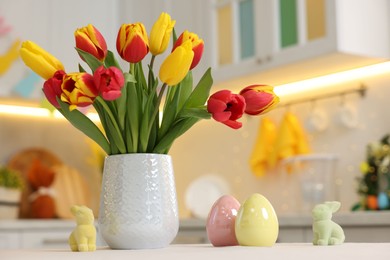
364, 251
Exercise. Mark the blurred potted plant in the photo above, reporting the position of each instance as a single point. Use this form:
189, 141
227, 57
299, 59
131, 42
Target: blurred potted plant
11, 185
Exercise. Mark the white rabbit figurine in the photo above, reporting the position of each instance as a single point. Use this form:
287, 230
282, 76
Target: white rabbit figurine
325, 231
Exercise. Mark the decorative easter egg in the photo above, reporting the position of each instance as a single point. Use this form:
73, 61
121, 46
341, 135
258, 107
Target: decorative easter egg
372, 202
256, 222
220, 223
383, 200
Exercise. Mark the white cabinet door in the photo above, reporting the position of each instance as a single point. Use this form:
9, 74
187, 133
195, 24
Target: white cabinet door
318, 36
9, 240
45, 239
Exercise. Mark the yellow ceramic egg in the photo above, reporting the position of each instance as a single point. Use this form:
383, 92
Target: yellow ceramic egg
256, 222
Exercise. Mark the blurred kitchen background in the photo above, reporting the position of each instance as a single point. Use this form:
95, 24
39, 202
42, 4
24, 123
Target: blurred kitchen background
335, 54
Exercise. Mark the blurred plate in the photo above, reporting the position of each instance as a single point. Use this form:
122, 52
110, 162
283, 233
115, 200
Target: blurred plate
203, 192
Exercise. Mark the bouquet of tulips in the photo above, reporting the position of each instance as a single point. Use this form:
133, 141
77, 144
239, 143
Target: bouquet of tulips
139, 112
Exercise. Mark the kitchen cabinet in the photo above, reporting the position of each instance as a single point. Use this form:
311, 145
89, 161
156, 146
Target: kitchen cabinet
288, 40
358, 227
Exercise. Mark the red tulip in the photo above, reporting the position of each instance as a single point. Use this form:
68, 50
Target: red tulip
52, 87
259, 99
132, 42
78, 90
109, 82
90, 40
197, 46
226, 108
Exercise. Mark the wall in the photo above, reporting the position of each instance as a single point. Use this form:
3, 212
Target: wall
211, 148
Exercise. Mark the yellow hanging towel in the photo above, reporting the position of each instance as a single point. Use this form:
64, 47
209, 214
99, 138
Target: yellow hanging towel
7, 59
291, 139
263, 149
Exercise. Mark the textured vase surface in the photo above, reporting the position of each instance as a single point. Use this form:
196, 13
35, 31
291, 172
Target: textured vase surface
138, 204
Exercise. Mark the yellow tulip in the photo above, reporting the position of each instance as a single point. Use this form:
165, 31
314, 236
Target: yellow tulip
197, 46
39, 60
78, 90
176, 66
161, 33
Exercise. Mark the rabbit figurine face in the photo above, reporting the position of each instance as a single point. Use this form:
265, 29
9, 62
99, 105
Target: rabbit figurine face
325, 231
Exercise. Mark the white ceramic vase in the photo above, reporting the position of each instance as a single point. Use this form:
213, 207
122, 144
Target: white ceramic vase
138, 204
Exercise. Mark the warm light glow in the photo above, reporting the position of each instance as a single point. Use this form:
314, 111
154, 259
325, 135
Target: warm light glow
25, 111
281, 90
93, 116
38, 112
331, 79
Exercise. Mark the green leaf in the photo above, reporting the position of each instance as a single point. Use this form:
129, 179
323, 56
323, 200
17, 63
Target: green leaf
121, 104
177, 130
170, 110
201, 92
110, 61
85, 125
99, 109
140, 76
129, 77
81, 69
200, 113
174, 36
116, 136
185, 88
108, 109
132, 116
91, 60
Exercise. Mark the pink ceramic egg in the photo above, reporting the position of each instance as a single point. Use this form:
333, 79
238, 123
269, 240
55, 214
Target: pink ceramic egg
221, 221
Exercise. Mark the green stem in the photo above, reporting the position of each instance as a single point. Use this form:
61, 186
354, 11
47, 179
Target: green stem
121, 146
132, 69
152, 61
150, 76
157, 107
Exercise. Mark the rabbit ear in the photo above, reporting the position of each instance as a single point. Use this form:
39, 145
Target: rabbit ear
333, 205
74, 209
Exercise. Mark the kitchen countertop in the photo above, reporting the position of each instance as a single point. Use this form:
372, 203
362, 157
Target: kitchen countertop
301, 251
360, 218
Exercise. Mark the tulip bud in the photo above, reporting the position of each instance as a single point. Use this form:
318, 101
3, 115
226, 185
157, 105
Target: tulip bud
226, 107
52, 88
176, 66
109, 82
197, 46
78, 90
259, 99
40, 61
160, 34
90, 40
132, 42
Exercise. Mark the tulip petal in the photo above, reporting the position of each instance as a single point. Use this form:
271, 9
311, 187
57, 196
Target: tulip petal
161, 34
226, 107
176, 66
90, 40
39, 60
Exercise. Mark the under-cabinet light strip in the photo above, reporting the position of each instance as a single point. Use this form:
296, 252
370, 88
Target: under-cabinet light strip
332, 79
37, 112
281, 90
25, 111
